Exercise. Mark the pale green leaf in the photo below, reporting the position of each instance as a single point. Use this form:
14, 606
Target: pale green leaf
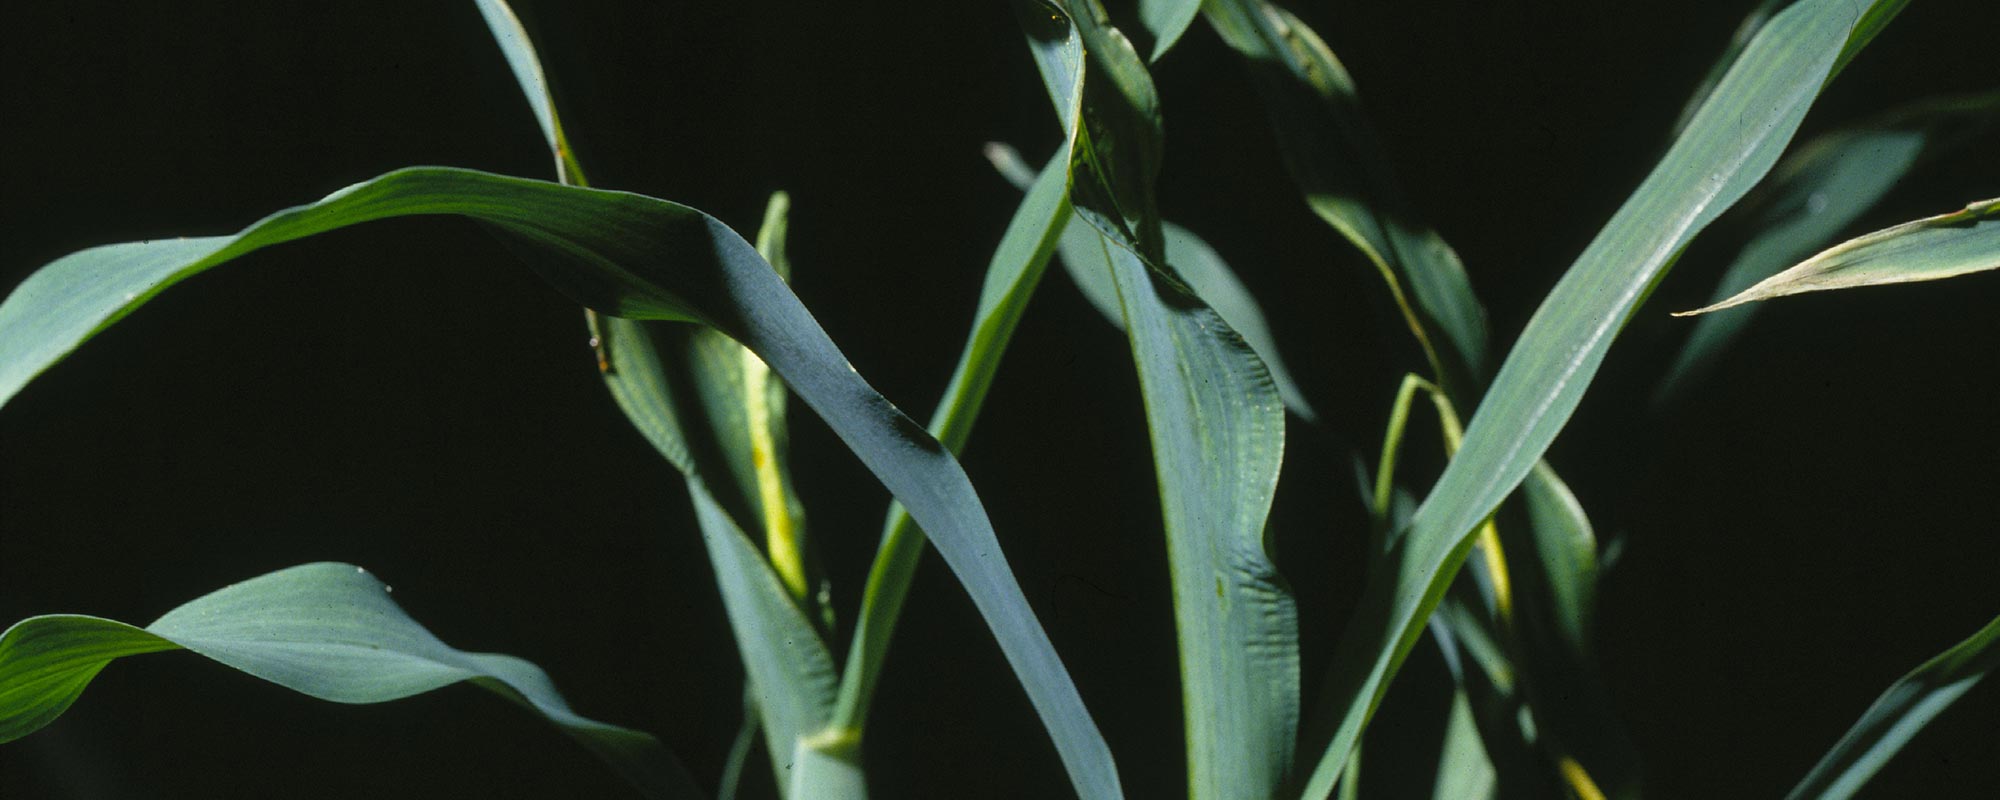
627, 255
1909, 704
1207, 275
827, 769
1877, 17
1929, 249
1463, 772
1217, 430
1728, 146
527, 67
325, 630
1814, 194
1167, 20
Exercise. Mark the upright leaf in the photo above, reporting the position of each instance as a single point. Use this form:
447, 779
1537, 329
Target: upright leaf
1909, 704
786, 662
766, 596
1011, 277
325, 630
1333, 157
628, 255
1207, 275
1217, 430
1731, 142
527, 66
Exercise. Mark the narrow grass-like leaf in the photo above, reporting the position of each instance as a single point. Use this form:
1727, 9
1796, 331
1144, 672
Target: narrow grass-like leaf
1902, 711
1332, 155
1813, 195
1463, 772
1731, 142
1167, 20
325, 630
1207, 275
745, 411
1011, 277
627, 255
527, 67
1929, 249
1217, 430
765, 595
788, 667
1873, 20
1336, 162
739, 750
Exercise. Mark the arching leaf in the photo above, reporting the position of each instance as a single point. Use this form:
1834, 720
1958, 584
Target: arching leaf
326, 630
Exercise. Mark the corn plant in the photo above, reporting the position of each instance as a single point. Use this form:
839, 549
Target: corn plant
1488, 569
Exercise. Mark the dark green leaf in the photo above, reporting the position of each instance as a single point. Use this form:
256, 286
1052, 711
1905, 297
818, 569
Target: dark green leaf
1333, 157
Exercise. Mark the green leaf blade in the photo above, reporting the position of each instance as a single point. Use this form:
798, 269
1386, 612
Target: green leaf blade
325, 630
1192, 258
1928, 249
1339, 167
1167, 20
1217, 429
1903, 709
646, 258
1729, 144
786, 662
1216, 424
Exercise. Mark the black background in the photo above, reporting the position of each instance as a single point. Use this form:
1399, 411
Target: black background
1805, 527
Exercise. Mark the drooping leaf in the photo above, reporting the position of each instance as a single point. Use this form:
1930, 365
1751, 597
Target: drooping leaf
1336, 162
1813, 195
326, 630
1011, 277
740, 410
1167, 20
1909, 704
1217, 431
1207, 275
1929, 249
627, 255
1731, 142
788, 667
